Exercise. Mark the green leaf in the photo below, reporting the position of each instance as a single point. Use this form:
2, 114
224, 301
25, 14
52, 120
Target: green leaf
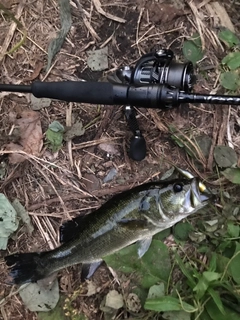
181, 230
156, 291
216, 314
196, 39
217, 299
163, 234
66, 22
183, 143
228, 37
205, 316
224, 245
56, 314
225, 156
233, 230
234, 264
222, 263
211, 225
186, 272
232, 174
56, 126
204, 143
154, 266
211, 276
8, 221
230, 80
201, 287
167, 303
192, 52
213, 262
232, 60
54, 135
75, 130
176, 315
204, 281
197, 236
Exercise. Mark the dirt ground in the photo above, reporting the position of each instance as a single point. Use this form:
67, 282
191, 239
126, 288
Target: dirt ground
52, 194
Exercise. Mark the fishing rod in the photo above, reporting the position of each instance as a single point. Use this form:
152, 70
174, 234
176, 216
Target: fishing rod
156, 81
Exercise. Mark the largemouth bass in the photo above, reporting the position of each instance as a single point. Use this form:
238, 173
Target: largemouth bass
134, 215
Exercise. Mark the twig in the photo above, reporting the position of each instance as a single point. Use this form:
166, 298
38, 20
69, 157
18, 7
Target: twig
86, 22
53, 187
44, 234
229, 137
157, 120
99, 8
93, 143
138, 26
200, 25
141, 39
107, 41
68, 124
11, 31
12, 293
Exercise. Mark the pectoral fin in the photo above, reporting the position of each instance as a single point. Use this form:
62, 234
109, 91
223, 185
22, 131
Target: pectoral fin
143, 246
88, 269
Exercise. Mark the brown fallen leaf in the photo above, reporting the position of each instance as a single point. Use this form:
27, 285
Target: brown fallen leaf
15, 157
30, 136
161, 12
37, 69
219, 13
109, 148
91, 182
8, 3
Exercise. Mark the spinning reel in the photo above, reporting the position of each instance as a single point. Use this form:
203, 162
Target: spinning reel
156, 81
157, 67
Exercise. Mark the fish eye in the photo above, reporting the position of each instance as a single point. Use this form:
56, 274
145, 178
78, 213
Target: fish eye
177, 187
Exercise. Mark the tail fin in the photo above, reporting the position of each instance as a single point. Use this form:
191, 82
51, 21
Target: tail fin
25, 267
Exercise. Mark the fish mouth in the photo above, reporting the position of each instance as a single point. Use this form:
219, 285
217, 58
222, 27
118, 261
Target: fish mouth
198, 190
190, 176
199, 194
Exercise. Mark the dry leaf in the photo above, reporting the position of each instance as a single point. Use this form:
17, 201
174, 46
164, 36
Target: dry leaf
30, 139
37, 69
9, 3
92, 289
163, 13
109, 148
216, 10
114, 300
15, 157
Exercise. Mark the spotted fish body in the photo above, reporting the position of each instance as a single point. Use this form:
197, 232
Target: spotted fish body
134, 215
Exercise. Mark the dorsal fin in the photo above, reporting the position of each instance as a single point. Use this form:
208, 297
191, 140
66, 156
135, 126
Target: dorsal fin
69, 229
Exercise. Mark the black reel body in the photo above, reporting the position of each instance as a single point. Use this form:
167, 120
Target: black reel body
158, 67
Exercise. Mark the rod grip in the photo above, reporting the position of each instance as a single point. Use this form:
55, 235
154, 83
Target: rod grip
80, 91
